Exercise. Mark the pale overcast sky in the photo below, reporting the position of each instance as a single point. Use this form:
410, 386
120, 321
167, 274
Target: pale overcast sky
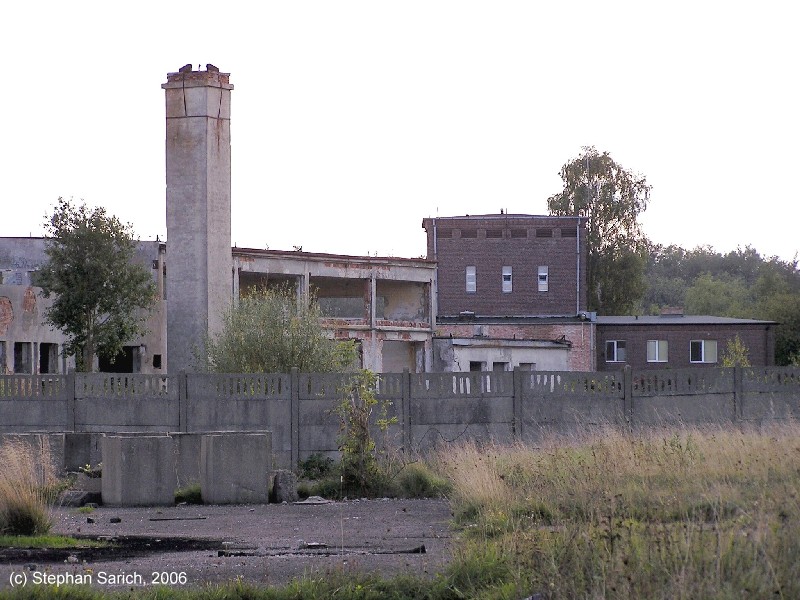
352, 121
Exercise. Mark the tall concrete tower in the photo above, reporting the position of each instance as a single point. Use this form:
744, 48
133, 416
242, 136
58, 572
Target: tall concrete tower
198, 209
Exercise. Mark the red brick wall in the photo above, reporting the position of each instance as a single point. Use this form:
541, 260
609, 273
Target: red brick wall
508, 240
758, 338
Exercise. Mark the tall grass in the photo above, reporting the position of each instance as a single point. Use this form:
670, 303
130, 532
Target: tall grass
687, 514
27, 483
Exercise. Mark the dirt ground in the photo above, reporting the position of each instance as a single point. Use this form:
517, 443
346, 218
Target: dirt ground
261, 544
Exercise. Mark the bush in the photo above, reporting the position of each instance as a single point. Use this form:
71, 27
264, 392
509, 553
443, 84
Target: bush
191, 494
27, 483
316, 466
416, 480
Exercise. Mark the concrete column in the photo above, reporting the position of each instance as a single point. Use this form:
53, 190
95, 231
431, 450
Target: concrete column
199, 262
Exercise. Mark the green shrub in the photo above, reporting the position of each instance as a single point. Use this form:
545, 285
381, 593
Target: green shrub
191, 494
417, 480
316, 466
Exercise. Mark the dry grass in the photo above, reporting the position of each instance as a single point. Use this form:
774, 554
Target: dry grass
693, 513
27, 481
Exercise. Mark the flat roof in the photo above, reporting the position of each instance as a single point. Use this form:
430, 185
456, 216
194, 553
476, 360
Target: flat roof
651, 320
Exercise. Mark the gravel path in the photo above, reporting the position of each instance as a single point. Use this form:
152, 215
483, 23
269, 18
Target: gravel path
261, 544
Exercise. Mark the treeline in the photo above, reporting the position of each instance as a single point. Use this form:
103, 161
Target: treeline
741, 284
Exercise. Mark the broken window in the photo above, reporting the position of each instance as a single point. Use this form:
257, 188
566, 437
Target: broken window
23, 362
48, 358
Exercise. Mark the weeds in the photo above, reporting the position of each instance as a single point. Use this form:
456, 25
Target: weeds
697, 513
27, 483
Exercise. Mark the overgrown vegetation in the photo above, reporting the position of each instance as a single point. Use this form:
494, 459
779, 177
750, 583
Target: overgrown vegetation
696, 513
359, 410
190, 494
272, 330
101, 294
693, 514
739, 284
28, 482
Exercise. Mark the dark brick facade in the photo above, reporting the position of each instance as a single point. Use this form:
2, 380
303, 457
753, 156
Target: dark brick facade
679, 332
522, 242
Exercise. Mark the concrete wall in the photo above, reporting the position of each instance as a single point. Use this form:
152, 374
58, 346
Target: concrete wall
430, 408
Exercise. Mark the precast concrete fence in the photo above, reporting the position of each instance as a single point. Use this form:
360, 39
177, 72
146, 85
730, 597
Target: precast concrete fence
430, 408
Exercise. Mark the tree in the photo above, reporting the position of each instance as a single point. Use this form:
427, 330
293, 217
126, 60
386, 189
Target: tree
611, 198
272, 330
736, 353
101, 295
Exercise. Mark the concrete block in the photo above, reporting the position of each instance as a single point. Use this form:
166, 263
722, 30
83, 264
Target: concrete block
81, 449
138, 470
235, 468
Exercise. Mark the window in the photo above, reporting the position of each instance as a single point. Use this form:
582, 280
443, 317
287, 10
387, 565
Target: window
526, 366
469, 233
499, 367
657, 351
615, 351
156, 361
475, 366
2, 357
22, 357
544, 232
48, 358
543, 276
703, 351
506, 280
494, 233
472, 279
519, 233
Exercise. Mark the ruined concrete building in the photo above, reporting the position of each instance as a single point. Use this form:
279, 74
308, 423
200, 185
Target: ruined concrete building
496, 292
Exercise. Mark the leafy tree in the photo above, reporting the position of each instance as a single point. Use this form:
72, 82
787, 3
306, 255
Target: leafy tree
101, 295
611, 198
721, 295
272, 330
736, 353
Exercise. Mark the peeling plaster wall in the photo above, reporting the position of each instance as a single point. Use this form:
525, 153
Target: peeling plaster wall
22, 307
549, 346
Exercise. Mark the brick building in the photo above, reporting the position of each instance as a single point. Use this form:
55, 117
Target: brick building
511, 293
679, 341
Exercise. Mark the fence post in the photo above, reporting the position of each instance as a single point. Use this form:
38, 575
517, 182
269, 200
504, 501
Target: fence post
516, 405
405, 411
294, 429
72, 405
738, 393
183, 401
627, 389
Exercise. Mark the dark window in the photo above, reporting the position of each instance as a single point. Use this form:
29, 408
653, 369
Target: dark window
156, 361
445, 233
469, 233
544, 232
615, 351
22, 357
519, 233
494, 233
569, 232
48, 358
475, 365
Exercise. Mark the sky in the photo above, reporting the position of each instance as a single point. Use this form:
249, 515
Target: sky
354, 120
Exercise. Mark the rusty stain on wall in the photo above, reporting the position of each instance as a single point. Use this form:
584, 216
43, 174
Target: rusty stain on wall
6, 314
29, 301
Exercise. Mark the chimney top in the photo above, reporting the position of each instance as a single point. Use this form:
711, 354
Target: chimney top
186, 76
